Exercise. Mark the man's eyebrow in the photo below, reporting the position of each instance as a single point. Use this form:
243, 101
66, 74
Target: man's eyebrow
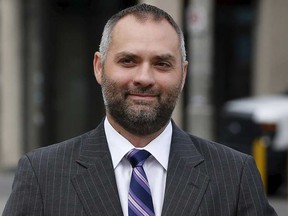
165, 57
161, 57
125, 54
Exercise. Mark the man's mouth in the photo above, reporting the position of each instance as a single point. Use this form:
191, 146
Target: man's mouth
143, 97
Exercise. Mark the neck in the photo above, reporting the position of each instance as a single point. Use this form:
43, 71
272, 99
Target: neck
136, 140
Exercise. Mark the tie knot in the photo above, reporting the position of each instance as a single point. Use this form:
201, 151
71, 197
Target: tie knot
137, 157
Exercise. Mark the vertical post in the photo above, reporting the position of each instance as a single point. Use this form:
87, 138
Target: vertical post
200, 110
34, 80
11, 125
259, 152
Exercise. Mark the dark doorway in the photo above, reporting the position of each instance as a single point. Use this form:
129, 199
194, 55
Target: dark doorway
71, 32
234, 25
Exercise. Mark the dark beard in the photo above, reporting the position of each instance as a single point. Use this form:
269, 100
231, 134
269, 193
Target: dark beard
141, 122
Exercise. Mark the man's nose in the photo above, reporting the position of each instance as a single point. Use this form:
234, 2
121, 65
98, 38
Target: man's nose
144, 76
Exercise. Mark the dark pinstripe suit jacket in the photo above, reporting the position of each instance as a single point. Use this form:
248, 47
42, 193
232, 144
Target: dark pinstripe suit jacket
76, 177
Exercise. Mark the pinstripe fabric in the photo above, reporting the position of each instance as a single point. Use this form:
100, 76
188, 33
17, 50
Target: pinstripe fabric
73, 178
209, 179
76, 177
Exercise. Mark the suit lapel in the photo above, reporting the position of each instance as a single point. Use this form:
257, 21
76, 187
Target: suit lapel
95, 184
185, 185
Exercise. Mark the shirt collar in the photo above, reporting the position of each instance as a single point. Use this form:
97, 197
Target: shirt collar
119, 145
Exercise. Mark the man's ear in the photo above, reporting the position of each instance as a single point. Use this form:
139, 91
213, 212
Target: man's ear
185, 69
98, 69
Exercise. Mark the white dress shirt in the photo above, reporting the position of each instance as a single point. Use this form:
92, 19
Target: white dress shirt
155, 166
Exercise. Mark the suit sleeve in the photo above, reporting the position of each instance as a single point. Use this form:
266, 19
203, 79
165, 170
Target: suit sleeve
25, 198
252, 198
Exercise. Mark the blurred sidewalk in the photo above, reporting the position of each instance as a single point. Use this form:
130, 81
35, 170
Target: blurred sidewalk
6, 178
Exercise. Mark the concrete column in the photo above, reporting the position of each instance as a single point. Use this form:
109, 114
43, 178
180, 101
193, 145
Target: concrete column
271, 61
11, 125
200, 109
174, 8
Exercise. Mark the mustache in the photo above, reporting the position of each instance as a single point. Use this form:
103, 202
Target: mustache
142, 90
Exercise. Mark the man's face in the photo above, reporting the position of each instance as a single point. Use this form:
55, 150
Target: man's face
142, 75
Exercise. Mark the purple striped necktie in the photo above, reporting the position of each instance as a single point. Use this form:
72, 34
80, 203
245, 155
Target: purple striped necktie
139, 197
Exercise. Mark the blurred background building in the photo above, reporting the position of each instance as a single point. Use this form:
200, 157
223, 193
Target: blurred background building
236, 49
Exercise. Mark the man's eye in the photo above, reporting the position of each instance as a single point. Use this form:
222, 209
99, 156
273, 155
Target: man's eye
163, 65
127, 61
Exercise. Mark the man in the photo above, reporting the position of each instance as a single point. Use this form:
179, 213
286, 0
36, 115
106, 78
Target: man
141, 68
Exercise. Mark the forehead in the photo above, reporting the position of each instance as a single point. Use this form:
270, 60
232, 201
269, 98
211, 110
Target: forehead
147, 34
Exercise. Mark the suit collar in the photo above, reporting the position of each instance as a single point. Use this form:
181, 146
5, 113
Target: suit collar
183, 147
96, 184
94, 146
185, 184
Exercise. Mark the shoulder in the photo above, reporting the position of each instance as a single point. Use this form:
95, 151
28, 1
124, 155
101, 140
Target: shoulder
54, 160
223, 162
68, 148
211, 149
212, 152
204, 146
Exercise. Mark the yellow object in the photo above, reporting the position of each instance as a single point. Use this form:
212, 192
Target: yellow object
260, 155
